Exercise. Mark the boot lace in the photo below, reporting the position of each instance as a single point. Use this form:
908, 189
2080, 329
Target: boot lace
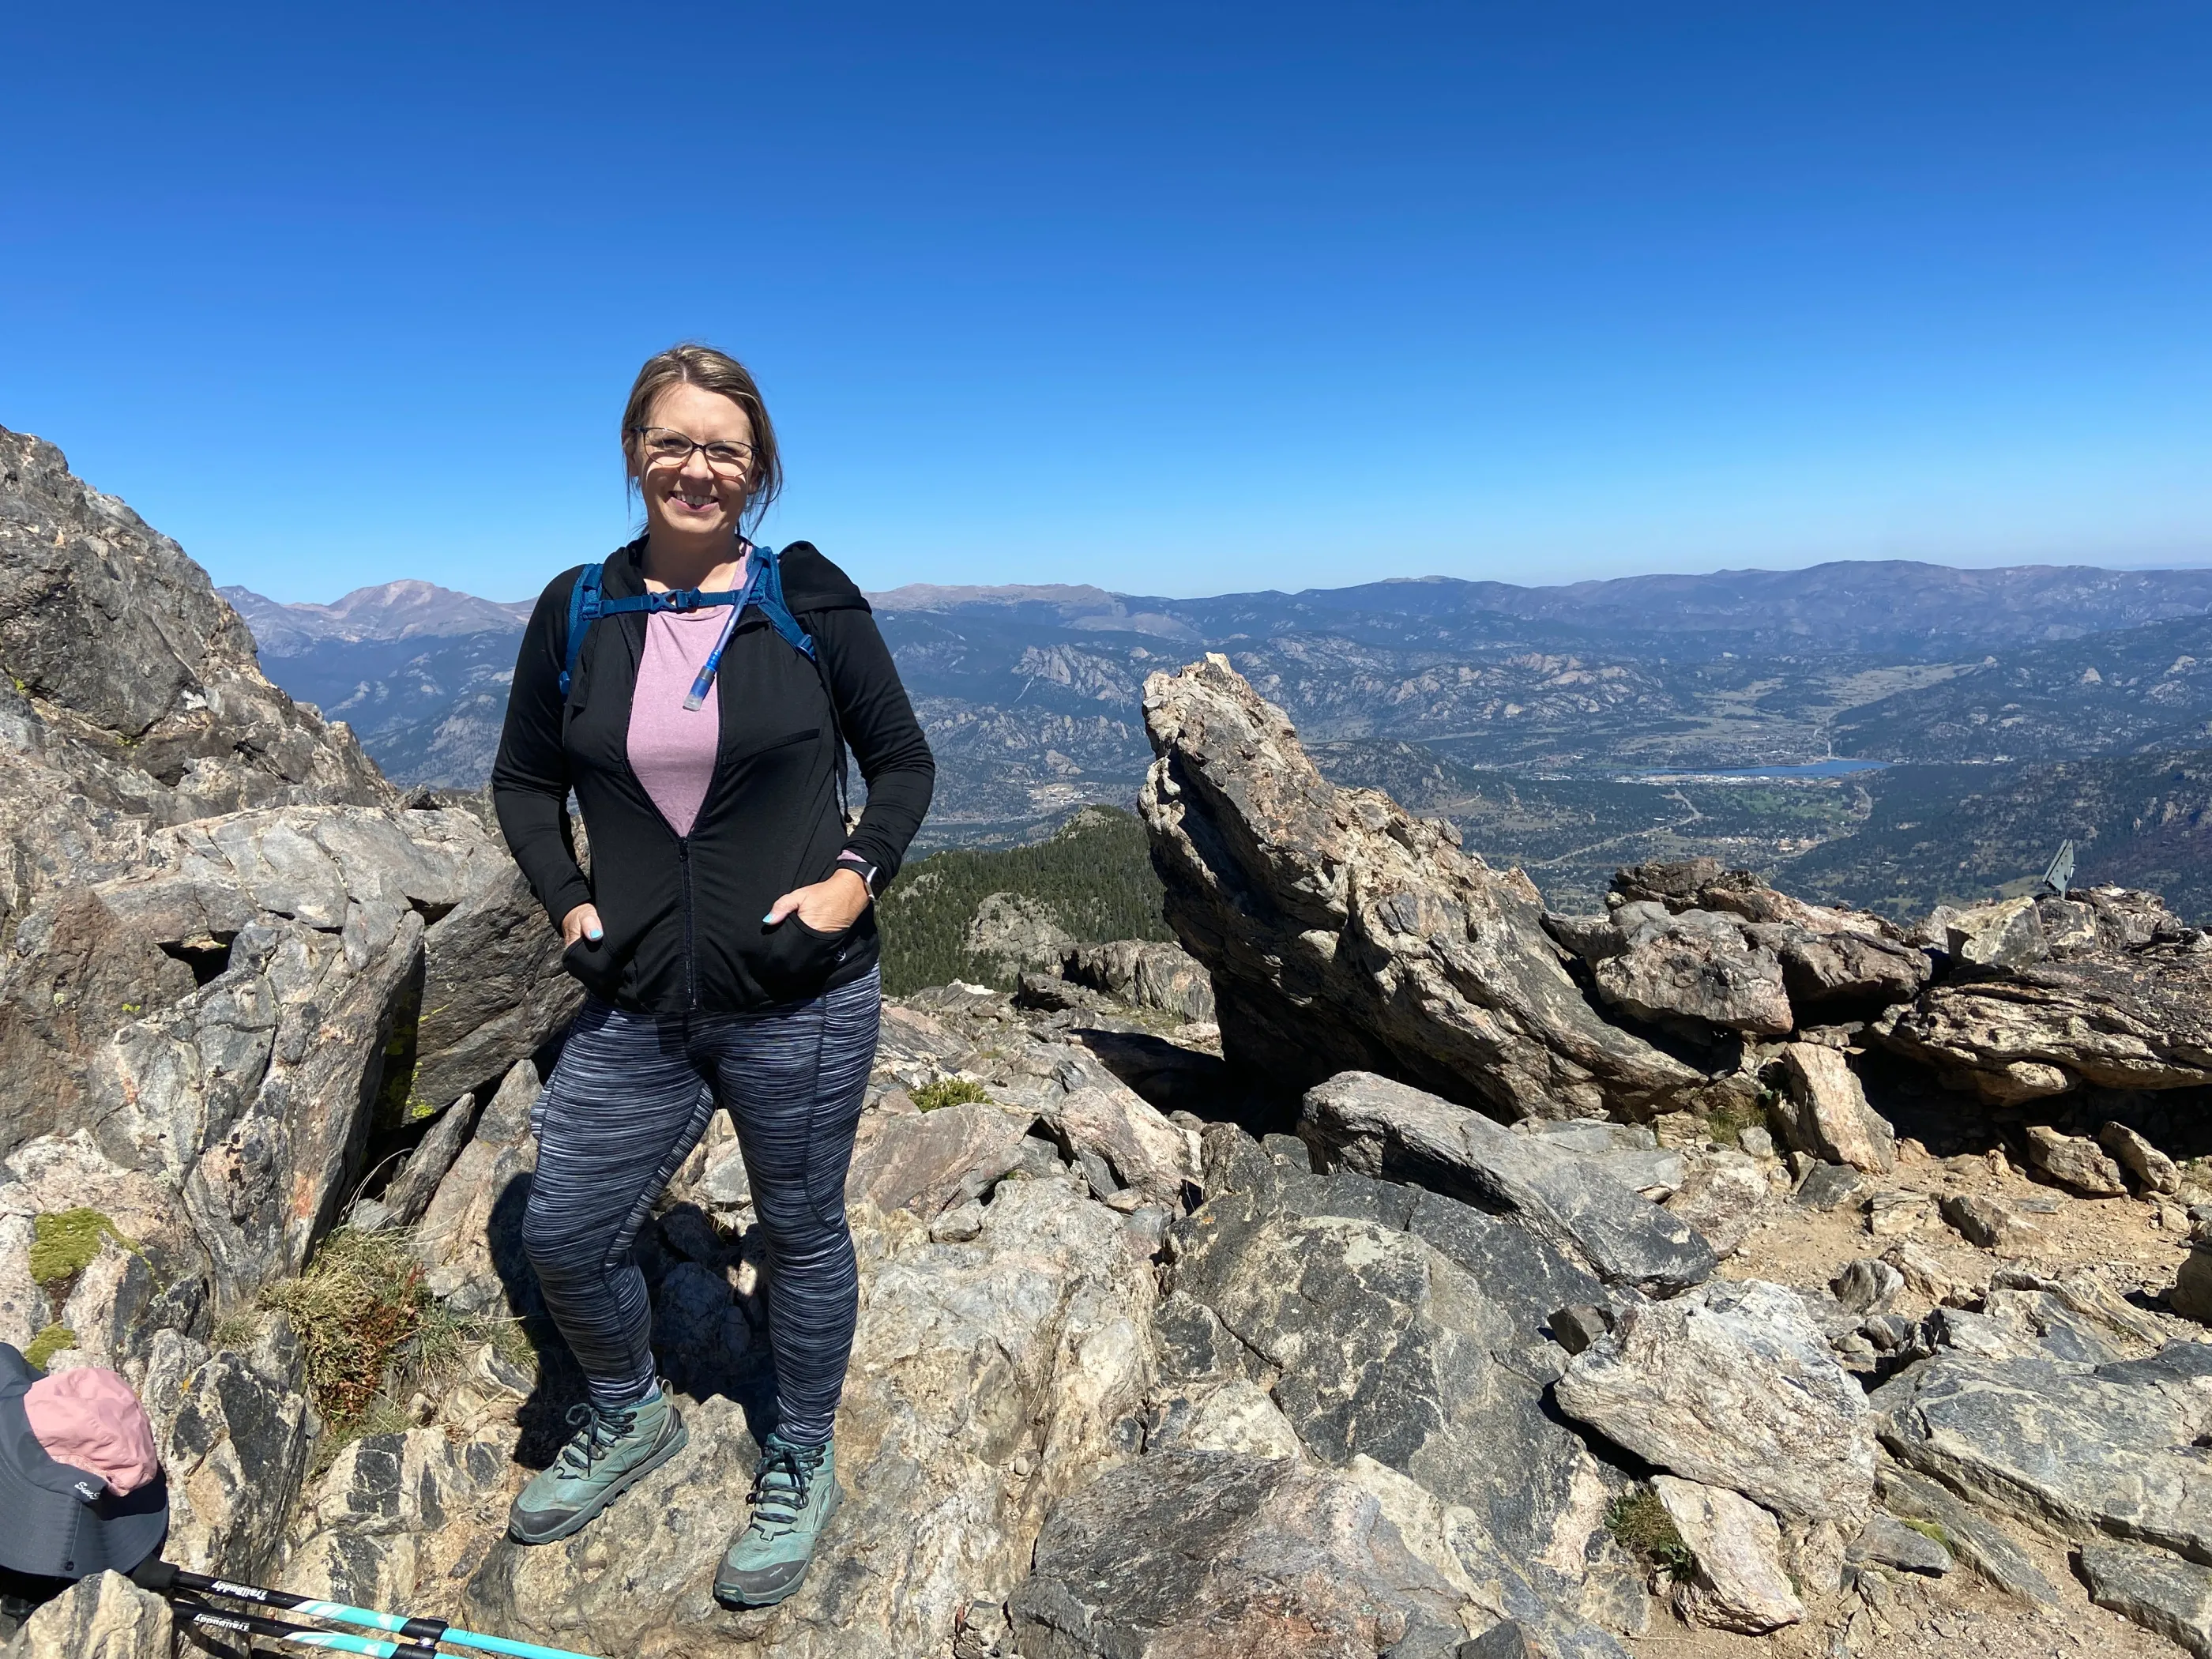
597, 1432
779, 1493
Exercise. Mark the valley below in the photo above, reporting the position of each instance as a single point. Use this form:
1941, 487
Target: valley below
1566, 731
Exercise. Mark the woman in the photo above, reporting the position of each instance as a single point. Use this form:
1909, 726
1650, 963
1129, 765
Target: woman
724, 934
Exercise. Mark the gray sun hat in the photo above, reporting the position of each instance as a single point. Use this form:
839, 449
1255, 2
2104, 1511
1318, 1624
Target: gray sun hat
57, 1521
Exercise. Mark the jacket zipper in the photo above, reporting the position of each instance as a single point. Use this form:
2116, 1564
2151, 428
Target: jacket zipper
690, 969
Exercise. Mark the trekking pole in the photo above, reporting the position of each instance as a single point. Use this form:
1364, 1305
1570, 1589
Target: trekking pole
275, 1630
164, 1579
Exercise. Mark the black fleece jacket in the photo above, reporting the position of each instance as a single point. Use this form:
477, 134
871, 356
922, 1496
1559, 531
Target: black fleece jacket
682, 914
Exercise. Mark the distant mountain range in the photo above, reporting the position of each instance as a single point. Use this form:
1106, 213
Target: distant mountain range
1534, 713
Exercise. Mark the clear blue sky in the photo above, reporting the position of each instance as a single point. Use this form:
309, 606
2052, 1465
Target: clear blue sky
1171, 299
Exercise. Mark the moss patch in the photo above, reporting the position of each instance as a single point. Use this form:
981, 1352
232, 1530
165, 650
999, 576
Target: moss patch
64, 1243
48, 1343
949, 1091
1931, 1529
1640, 1524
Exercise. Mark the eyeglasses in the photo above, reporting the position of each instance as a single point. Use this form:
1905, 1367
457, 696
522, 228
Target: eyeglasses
665, 447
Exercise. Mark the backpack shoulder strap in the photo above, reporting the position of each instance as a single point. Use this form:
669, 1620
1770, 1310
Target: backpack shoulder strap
584, 605
769, 596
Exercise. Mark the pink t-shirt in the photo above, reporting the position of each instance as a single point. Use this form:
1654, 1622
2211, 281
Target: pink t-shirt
672, 748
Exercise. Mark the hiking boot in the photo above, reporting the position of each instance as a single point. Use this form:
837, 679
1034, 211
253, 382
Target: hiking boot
611, 1452
793, 1497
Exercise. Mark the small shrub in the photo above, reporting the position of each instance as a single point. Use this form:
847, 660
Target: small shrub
1726, 1125
373, 1334
64, 1242
48, 1343
360, 1300
949, 1091
1639, 1521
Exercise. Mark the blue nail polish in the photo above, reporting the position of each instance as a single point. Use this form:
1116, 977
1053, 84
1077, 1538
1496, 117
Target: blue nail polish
769, 918
593, 934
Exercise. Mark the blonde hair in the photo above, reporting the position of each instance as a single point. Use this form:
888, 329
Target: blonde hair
692, 364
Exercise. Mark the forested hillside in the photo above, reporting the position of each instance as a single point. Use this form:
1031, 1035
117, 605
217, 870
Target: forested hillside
1094, 874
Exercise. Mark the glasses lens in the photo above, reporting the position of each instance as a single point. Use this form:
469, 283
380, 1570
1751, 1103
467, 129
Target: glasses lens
729, 458
662, 445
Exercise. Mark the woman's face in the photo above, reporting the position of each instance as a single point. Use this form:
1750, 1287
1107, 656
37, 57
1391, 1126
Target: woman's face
694, 493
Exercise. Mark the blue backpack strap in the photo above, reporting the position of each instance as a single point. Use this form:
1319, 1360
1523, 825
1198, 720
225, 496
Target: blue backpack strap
585, 607
771, 600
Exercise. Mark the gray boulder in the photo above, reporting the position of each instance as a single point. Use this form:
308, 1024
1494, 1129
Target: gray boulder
1823, 1110
930, 1161
493, 989
253, 1096
2104, 1450
2074, 1161
1834, 959
469, 1238
1971, 1537
233, 1430
1375, 1128
1695, 966
1724, 1196
103, 1617
2169, 1596
1732, 1385
1200, 1552
1343, 933
2006, 933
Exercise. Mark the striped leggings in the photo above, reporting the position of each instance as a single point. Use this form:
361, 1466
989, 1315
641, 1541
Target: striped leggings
629, 1099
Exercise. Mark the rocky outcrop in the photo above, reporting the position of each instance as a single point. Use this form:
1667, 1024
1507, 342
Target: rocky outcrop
134, 698
470, 1235
1144, 973
2111, 993
1400, 1337
2108, 1450
1011, 934
1694, 966
2169, 1597
1833, 961
153, 952
1345, 935
988, 1380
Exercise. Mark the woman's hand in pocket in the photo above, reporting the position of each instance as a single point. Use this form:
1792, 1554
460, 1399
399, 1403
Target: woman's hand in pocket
827, 906
582, 922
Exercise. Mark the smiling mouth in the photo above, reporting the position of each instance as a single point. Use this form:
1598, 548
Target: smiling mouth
696, 503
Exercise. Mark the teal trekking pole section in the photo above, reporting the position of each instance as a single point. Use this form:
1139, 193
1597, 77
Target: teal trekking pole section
250, 1625
420, 1637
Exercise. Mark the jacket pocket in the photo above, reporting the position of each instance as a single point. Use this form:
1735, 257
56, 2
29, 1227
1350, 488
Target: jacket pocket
796, 960
591, 964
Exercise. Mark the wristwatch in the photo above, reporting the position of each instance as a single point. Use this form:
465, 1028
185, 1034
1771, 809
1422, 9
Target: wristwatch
861, 868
